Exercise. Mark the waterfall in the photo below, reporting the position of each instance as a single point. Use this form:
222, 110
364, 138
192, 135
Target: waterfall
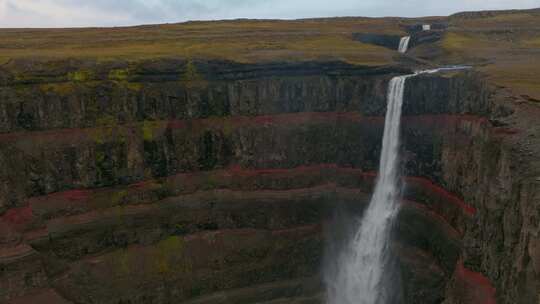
426, 27
360, 274
404, 44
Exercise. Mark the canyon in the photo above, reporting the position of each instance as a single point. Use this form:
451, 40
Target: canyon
233, 174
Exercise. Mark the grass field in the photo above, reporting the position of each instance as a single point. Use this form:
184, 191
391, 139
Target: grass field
505, 45
240, 40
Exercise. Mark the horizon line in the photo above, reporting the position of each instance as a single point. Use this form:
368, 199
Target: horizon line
263, 20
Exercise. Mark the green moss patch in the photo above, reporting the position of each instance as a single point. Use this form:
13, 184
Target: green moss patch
81, 76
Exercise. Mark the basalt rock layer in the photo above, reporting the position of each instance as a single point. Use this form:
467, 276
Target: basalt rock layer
210, 181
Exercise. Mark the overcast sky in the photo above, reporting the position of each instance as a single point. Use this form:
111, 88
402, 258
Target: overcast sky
68, 13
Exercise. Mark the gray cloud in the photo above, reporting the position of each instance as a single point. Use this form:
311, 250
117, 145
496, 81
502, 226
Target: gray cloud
64, 13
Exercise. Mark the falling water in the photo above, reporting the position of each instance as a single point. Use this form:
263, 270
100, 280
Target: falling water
359, 278
362, 271
426, 27
404, 44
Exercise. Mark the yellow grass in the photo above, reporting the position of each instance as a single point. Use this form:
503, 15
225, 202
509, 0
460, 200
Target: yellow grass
241, 41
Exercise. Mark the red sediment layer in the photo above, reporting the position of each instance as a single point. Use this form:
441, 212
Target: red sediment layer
237, 170
298, 231
295, 232
177, 124
443, 193
318, 117
450, 230
434, 190
370, 174
78, 134
36, 234
210, 235
90, 217
479, 288
80, 201
141, 185
444, 118
67, 198
49, 134
72, 195
284, 118
20, 218
12, 253
110, 215
425, 261
506, 131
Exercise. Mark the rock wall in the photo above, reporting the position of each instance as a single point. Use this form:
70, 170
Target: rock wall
209, 182
497, 171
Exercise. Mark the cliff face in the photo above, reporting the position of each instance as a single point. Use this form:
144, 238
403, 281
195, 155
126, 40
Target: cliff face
196, 187
118, 132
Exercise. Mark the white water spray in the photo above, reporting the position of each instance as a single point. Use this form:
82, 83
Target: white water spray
363, 267
426, 27
404, 44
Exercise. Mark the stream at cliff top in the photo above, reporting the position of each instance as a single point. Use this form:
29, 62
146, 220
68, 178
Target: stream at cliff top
363, 272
